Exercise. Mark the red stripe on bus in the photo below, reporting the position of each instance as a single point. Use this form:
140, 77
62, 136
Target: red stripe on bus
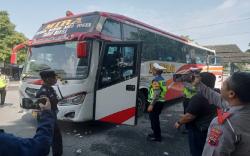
217, 73
215, 68
120, 117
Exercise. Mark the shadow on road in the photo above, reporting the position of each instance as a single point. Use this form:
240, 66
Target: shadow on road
6, 105
84, 128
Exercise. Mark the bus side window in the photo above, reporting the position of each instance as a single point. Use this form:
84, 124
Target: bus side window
188, 58
112, 28
130, 33
192, 56
128, 66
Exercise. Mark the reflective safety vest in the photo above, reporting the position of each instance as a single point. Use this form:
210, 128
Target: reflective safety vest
161, 85
189, 92
3, 81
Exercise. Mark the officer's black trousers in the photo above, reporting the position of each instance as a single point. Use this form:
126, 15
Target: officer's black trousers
154, 118
197, 140
185, 105
57, 147
3, 94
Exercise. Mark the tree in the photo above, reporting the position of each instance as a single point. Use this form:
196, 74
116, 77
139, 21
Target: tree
248, 50
187, 37
9, 38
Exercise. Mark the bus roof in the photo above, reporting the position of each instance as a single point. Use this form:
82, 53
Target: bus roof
201, 47
124, 19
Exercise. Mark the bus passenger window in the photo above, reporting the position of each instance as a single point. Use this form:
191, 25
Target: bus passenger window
130, 33
188, 58
112, 28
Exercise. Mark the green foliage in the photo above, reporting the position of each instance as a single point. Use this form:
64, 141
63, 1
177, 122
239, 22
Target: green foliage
248, 50
241, 66
9, 38
187, 37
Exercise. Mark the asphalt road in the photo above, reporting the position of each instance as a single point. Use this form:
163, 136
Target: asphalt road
101, 139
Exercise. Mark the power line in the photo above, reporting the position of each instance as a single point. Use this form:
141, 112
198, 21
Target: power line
214, 24
235, 34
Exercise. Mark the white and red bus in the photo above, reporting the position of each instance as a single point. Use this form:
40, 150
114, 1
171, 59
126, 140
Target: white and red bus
104, 61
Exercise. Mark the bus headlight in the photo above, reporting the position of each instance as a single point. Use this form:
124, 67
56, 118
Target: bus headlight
31, 92
75, 99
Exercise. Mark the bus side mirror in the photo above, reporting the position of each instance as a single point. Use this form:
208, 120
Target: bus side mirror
82, 50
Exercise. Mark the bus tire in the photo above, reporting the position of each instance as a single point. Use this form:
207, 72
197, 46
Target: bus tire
142, 104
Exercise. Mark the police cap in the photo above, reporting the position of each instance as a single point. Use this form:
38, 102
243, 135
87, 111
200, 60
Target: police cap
47, 74
158, 67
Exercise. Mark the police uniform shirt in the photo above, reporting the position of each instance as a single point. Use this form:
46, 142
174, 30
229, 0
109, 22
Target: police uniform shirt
230, 136
49, 92
156, 90
3, 81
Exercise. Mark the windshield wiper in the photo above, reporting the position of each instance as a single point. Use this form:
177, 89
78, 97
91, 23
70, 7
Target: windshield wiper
42, 69
26, 75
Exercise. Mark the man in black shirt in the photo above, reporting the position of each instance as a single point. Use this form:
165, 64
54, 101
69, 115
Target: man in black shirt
198, 116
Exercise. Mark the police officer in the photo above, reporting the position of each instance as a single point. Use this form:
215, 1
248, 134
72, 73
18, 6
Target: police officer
156, 99
3, 85
50, 78
229, 133
188, 91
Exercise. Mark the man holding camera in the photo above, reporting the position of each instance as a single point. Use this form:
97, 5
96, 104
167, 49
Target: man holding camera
39, 145
50, 78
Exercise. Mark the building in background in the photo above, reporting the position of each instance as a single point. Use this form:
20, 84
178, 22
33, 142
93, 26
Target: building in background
231, 57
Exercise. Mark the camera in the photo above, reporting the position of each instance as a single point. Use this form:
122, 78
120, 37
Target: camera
183, 77
187, 76
32, 103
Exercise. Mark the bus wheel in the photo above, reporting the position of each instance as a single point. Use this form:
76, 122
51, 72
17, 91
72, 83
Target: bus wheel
141, 104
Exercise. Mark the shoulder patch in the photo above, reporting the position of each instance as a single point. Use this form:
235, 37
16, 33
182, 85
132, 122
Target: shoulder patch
214, 135
222, 116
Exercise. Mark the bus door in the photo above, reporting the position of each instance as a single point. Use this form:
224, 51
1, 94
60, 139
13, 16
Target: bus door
117, 83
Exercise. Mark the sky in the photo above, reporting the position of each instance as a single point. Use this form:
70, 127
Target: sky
208, 22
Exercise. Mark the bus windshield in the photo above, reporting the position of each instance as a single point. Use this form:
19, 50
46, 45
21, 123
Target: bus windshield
214, 60
61, 58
